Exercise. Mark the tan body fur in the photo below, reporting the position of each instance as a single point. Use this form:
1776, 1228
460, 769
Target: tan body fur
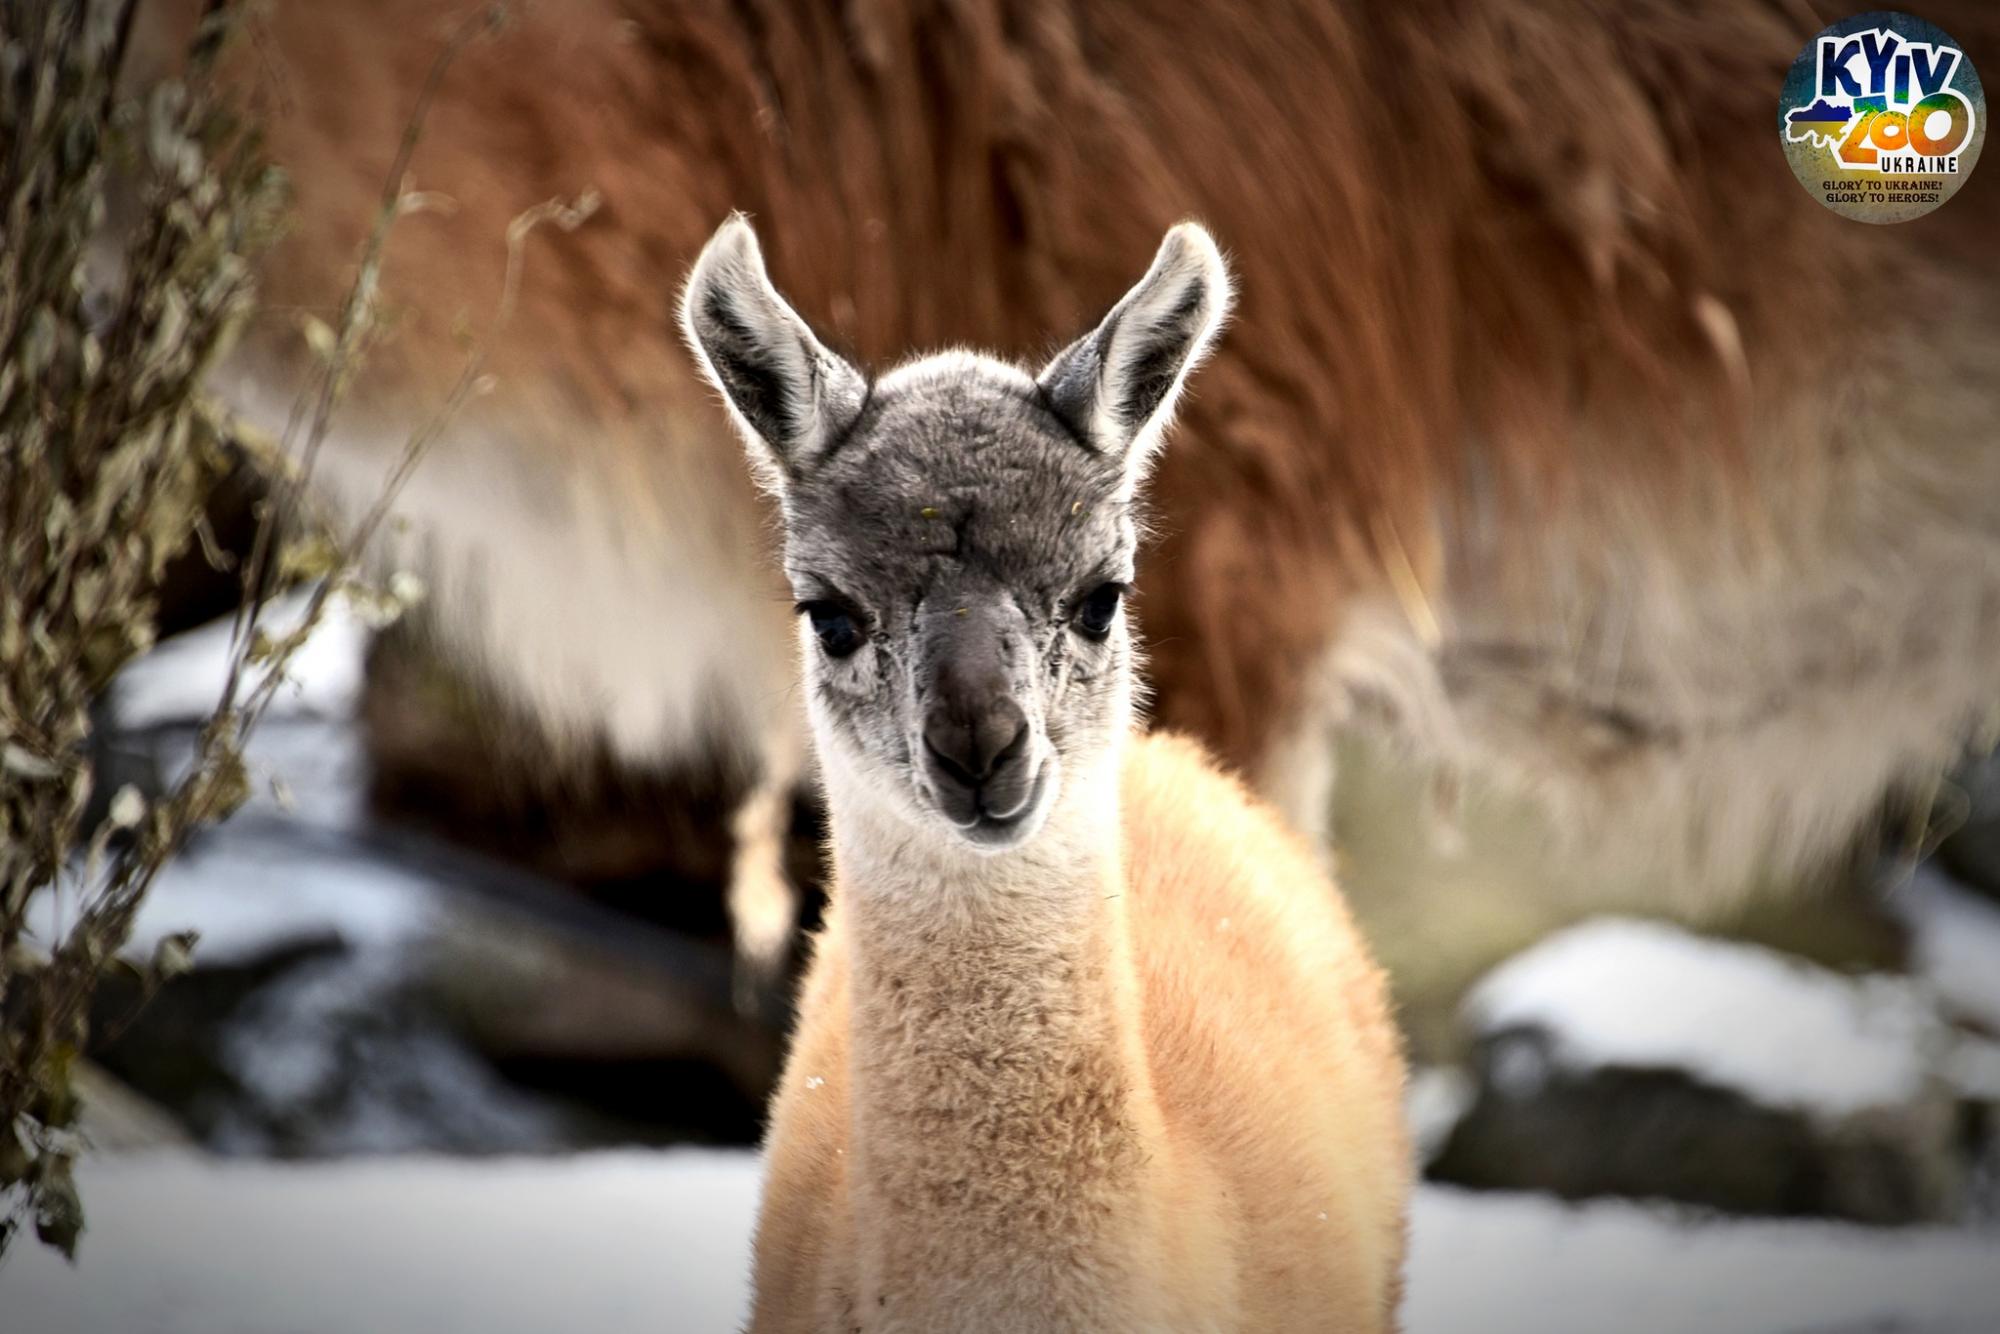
1181, 1111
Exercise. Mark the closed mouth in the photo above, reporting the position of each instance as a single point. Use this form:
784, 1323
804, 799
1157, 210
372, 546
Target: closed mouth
1003, 829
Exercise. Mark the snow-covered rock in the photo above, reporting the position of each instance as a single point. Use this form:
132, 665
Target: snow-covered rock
1625, 1057
181, 679
1783, 1033
1954, 943
354, 990
1972, 850
356, 986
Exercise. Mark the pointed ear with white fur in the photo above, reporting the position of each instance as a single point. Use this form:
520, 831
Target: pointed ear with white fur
788, 393
1117, 384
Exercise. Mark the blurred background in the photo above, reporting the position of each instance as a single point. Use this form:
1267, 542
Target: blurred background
1630, 646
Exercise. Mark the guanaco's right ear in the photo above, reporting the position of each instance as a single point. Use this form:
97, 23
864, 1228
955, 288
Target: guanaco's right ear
788, 393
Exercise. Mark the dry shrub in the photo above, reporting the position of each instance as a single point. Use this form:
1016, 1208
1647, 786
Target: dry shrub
126, 255
107, 452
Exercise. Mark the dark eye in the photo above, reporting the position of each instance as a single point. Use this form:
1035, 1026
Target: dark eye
839, 631
1094, 614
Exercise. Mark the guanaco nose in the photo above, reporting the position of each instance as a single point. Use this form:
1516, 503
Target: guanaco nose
975, 731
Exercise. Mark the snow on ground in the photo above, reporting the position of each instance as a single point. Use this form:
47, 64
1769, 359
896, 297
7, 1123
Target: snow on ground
1619, 991
1528, 1264
180, 1245
659, 1242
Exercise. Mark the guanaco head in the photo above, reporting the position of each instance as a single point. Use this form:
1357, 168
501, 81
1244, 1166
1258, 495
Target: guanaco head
959, 534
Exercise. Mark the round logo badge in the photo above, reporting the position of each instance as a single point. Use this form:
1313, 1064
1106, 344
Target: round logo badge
1882, 117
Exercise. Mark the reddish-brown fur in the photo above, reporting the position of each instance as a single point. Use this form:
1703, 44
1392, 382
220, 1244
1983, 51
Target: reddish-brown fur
1526, 291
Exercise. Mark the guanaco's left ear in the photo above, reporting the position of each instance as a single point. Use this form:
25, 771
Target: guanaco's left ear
790, 395
1117, 384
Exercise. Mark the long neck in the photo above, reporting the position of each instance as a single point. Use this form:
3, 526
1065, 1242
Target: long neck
999, 1099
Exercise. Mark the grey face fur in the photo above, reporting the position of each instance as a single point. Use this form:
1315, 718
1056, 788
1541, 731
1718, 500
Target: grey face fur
959, 533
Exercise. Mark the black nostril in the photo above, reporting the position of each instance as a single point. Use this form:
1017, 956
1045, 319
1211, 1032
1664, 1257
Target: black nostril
1011, 751
952, 768
971, 751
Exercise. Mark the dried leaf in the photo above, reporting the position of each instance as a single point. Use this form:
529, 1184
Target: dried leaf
58, 1208
319, 337
309, 558
407, 589
15, 1162
22, 764
174, 955
127, 808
